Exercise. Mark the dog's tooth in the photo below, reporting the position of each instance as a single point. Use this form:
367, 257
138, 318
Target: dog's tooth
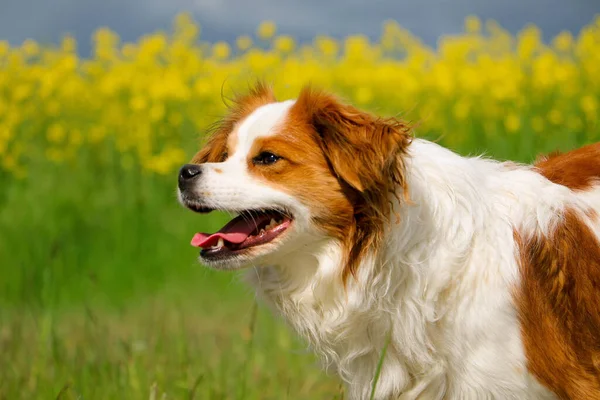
262, 231
273, 223
220, 243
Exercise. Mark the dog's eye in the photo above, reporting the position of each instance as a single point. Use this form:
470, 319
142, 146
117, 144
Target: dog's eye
266, 158
224, 156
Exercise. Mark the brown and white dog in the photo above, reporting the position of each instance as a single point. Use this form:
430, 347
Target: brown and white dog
483, 276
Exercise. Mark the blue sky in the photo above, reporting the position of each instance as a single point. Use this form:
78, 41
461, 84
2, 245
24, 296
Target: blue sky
47, 20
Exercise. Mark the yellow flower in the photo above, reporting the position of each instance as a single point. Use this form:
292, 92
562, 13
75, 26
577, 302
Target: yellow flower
185, 28
21, 92
105, 43
69, 44
9, 162
4, 47
56, 133
356, 47
461, 110
363, 95
97, 134
157, 112
512, 122
563, 41
266, 30
284, 43
129, 50
327, 46
472, 24
556, 117
138, 103
243, 42
134, 98
589, 104
30, 48
221, 50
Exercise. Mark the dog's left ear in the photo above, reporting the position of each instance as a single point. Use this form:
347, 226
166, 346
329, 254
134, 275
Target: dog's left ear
364, 151
367, 155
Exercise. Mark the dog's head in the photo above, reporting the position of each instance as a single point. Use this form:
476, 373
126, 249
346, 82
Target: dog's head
295, 173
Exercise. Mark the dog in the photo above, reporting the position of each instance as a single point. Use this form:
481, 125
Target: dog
481, 279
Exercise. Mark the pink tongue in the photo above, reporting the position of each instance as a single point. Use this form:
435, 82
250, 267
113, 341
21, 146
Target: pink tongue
236, 231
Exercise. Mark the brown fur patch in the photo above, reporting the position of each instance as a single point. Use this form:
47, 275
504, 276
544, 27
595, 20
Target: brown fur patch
304, 173
364, 154
578, 169
559, 308
223, 139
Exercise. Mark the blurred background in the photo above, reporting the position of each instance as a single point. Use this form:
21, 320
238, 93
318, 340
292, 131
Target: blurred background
101, 296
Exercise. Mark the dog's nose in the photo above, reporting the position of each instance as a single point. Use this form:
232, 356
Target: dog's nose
187, 173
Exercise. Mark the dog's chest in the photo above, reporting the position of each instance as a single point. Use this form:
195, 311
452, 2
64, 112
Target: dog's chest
460, 355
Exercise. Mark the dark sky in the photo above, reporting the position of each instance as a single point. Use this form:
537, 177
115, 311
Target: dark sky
47, 20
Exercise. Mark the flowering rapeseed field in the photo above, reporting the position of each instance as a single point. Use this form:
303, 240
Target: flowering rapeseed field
100, 297
145, 99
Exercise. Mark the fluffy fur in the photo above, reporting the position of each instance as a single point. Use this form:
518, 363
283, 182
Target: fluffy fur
483, 276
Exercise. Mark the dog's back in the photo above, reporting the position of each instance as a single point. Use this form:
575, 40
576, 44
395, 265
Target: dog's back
560, 294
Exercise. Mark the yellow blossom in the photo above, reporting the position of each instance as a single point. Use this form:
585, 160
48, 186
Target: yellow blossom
327, 46
56, 133
30, 48
221, 50
472, 24
555, 116
266, 30
284, 43
512, 122
140, 104
69, 44
563, 41
4, 47
363, 95
243, 42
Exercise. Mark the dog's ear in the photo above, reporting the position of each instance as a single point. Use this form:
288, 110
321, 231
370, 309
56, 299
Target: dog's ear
367, 156
364, 151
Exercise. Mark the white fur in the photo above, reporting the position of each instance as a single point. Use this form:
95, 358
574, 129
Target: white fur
439, 289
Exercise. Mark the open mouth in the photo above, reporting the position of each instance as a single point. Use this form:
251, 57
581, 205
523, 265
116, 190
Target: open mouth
247, 230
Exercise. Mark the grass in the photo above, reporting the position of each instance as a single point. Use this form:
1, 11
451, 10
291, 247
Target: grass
164, 346
101, 296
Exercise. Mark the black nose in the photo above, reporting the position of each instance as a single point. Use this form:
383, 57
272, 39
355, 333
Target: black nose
187, 173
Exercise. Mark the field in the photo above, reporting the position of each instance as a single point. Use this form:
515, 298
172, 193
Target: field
100, 293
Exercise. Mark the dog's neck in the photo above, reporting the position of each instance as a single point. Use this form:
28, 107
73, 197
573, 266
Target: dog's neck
422, 287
